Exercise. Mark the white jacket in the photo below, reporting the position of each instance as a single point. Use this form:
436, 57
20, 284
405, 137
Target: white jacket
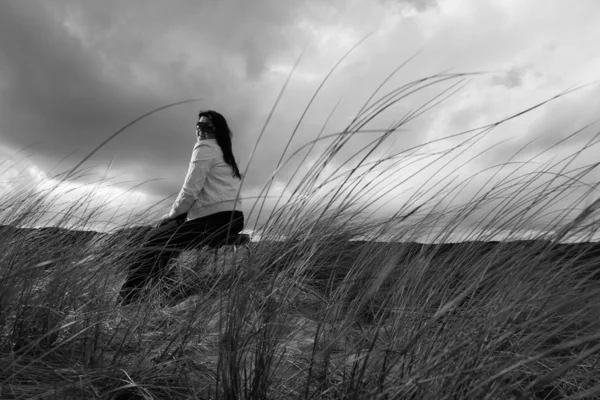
209, 185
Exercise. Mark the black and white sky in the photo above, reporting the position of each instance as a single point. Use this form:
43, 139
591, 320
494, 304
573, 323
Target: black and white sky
72, 72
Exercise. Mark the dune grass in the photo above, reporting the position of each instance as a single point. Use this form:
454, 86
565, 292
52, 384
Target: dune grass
317, 313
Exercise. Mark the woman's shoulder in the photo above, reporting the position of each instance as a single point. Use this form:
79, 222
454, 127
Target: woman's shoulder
205, 148
206, 144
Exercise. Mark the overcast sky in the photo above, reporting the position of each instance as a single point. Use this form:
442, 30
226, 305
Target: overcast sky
72, 72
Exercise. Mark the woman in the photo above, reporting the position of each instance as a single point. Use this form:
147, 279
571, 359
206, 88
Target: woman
206, 209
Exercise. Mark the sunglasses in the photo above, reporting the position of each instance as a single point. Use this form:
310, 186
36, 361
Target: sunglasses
204, 126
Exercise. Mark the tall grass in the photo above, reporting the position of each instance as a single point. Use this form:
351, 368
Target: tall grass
318, 312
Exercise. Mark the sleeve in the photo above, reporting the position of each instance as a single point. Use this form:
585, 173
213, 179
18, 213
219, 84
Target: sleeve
202, 159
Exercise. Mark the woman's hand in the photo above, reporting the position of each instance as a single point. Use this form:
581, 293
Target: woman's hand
174, 221
165, 220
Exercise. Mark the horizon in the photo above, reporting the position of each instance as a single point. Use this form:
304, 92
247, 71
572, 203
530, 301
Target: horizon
464, 237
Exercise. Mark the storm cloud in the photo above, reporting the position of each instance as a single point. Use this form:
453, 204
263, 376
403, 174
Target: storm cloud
73, 72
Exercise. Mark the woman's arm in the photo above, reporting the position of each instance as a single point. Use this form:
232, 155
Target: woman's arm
202, 159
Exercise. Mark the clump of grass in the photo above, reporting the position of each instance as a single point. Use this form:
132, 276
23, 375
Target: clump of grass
320, 312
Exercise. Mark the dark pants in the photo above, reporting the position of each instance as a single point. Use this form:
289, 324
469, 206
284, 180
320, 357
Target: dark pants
149, 263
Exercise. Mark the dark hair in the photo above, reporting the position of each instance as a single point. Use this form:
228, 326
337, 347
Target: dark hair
223, 136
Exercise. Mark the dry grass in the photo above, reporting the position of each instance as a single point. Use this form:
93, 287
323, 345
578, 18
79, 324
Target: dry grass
316, 314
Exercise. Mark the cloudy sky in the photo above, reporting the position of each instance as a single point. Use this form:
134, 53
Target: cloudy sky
72, 72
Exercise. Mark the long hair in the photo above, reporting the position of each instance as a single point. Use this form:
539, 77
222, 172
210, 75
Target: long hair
223, 136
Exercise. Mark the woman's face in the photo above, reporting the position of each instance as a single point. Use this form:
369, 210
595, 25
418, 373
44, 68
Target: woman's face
205, 128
